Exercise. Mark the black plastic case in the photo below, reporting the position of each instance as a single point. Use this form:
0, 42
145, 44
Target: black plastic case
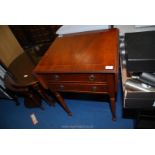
140, 49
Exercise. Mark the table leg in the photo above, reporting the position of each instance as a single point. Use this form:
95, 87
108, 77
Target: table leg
62, 102
43, 94
112, 94
112, 106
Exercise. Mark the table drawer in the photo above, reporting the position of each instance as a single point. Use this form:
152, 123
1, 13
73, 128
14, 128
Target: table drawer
78, 87
76, 77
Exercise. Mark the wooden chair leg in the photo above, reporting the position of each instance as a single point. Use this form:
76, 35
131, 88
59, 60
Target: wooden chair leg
33, 100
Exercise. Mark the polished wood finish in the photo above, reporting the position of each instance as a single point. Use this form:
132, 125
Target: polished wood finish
63, 104
90, 53
75, 77
79, 87
85, 63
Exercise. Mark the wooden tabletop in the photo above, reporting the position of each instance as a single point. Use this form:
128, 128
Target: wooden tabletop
85, 52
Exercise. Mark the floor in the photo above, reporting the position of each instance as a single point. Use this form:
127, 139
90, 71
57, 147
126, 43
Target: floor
89, 112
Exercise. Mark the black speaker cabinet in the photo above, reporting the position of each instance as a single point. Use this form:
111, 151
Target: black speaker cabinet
140, 49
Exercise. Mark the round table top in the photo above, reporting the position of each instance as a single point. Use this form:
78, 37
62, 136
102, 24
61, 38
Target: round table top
22, 68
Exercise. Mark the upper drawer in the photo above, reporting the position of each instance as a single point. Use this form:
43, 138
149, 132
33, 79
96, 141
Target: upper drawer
77, 77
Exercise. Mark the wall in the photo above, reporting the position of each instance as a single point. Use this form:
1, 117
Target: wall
9, 46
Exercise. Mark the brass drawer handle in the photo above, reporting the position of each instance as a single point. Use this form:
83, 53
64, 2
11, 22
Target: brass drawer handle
92, 77
61, 87
56, 77
94, 88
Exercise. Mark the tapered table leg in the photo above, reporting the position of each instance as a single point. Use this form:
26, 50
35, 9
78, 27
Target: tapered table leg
112, 106
62, 102
44, 95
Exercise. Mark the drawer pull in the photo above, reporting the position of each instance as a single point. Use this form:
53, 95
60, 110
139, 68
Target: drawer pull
61, 87
92, 77
56, 77
94, 88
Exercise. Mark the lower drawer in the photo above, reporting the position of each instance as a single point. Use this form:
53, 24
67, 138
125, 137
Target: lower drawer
78, 87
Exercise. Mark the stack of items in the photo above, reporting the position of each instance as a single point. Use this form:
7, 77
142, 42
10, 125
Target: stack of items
144, 82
